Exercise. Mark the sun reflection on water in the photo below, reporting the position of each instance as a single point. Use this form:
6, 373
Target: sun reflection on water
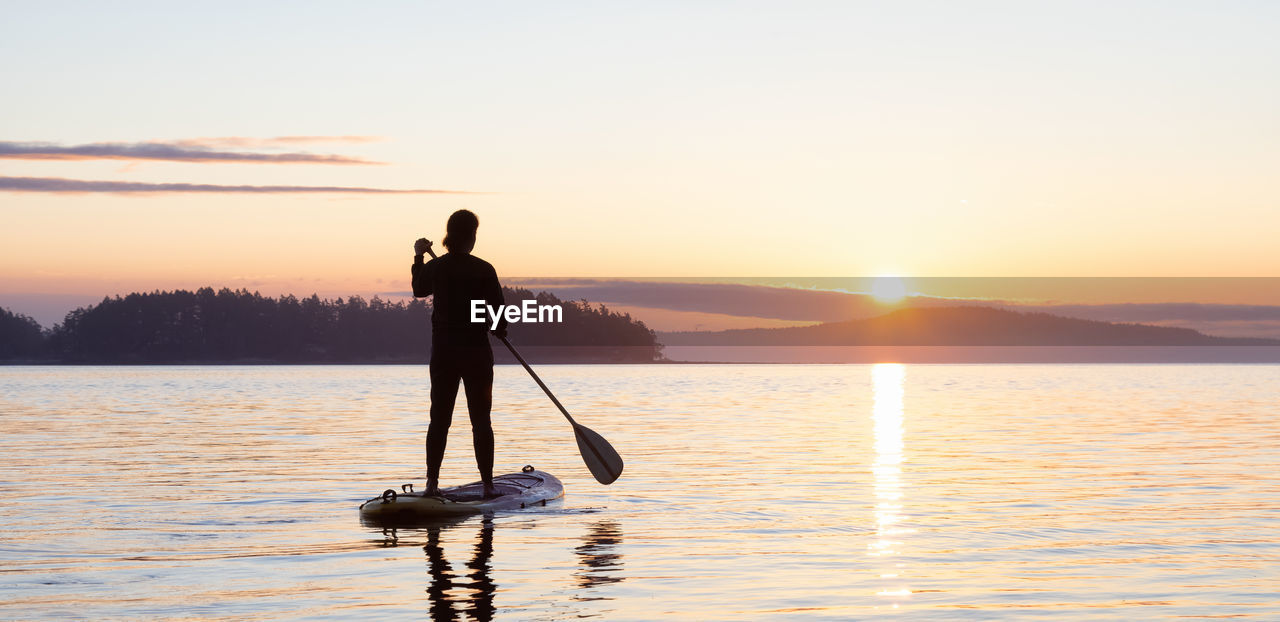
887, 417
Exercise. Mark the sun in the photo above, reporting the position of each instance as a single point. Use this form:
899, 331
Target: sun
888, 289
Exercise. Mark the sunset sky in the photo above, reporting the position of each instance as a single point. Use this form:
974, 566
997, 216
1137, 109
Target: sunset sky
645, 140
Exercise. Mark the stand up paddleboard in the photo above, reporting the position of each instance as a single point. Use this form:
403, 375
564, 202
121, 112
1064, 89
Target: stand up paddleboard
515, 490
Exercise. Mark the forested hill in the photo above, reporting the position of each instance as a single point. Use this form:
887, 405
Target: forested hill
961, 326
226, 326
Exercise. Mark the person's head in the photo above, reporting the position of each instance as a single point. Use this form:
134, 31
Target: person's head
460, 232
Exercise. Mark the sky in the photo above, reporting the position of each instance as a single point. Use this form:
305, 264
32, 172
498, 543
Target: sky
609, 140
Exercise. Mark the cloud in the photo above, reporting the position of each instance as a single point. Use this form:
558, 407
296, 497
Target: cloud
779, 303
70, 186
177, 151
276, 141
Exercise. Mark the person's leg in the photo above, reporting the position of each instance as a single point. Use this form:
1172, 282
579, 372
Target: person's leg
444, 392
478, 383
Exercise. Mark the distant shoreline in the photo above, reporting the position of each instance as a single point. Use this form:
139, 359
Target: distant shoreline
1251, 354
826, 355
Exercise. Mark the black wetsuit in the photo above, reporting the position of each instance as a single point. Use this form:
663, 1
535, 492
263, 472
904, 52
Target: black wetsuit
459, 351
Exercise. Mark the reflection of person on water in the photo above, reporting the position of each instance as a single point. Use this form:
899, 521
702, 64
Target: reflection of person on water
479, 605
472, 591
459, 348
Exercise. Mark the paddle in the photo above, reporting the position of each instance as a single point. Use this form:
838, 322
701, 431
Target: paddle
603, 461
601, 458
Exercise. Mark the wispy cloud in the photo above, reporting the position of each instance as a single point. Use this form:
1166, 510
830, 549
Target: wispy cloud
175, 151
72, 186
275, 141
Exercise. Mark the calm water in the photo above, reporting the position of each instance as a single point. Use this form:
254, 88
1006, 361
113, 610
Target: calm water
826, 492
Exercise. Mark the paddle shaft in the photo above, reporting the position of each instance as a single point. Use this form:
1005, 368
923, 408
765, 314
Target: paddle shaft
538, 380
604, 462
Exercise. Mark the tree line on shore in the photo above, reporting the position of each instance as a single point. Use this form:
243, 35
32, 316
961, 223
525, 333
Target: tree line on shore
237, 326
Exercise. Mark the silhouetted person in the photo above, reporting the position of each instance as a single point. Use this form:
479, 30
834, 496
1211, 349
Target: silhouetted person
459, 347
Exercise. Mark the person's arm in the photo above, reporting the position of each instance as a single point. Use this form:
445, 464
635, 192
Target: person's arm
421, 271
494, 299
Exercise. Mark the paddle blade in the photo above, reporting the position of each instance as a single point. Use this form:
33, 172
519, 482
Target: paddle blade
605, 463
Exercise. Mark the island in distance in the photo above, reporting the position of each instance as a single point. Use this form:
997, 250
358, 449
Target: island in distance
239, 327
960, 326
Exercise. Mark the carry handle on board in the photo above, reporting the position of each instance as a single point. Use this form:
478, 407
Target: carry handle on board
603, 461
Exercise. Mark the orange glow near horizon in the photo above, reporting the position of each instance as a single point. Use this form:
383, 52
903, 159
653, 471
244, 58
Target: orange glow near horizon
888, 290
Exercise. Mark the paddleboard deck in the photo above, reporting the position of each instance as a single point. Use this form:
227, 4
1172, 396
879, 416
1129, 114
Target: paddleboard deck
515, 490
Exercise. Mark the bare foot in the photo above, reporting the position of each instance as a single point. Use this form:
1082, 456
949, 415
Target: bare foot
490, 492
